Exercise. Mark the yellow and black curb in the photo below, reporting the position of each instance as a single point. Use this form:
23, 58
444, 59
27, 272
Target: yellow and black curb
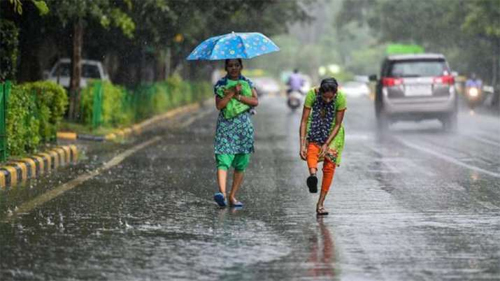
136, 129
20, 170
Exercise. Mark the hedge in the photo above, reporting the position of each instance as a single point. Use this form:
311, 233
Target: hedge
122, 107
34, 112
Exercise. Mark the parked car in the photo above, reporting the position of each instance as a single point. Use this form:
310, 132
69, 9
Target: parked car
415, 87
91, 69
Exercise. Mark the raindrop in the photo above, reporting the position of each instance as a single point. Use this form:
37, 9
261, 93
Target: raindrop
127, 226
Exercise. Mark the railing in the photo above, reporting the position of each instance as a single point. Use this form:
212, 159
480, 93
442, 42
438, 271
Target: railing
111, 105
97, 106
4, 96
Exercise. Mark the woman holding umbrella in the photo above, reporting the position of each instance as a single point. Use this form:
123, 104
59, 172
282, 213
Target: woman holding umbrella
234, 137
234, 96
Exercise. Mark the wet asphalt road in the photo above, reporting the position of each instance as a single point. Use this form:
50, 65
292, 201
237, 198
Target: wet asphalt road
415, 204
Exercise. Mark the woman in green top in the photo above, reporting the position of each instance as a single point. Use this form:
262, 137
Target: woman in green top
234, 136
322, 135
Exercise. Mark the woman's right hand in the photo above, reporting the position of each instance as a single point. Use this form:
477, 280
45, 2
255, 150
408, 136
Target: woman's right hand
238, 88
303, 152
229, 93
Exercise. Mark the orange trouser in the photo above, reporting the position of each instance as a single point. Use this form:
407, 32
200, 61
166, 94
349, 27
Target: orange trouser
313, 151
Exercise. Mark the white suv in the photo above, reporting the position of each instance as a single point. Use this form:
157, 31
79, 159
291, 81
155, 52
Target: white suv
91, 69
415, 87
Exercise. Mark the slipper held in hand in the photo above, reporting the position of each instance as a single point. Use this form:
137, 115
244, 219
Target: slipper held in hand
219, 199
312, 183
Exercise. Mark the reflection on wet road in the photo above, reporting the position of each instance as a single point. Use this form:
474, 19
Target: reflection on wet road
414, 204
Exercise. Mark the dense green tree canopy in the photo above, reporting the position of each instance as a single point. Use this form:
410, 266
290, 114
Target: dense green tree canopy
134, 34
468, 32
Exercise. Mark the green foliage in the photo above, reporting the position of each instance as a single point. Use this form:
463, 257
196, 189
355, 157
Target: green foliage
483, 18
51, 104
22, 124
40, 4
320, 44
9, 34
121, 107
106, 12
114, 113
467, 32
34, 113
42, 7
366, 61
18, 6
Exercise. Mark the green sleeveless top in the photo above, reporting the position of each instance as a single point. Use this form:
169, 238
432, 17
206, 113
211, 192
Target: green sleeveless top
337, 143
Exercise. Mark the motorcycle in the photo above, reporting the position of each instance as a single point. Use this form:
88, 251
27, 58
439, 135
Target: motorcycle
294, 100
473, 96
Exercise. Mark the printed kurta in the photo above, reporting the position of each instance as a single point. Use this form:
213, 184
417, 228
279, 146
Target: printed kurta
235, 135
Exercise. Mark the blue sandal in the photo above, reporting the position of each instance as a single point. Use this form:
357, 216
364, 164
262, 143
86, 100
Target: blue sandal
219, 199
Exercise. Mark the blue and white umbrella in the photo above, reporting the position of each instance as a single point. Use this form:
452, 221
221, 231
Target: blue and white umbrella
232, 46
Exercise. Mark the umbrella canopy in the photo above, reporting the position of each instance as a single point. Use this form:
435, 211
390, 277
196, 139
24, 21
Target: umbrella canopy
233, 46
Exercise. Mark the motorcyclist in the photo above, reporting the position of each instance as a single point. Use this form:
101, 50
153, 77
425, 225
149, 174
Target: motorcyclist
474, 82
295, 82
473, 91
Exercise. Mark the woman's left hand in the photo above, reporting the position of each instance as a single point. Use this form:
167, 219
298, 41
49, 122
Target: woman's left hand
238, 88
323, 151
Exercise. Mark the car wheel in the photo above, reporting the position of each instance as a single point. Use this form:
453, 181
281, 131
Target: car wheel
450, 122
382, 122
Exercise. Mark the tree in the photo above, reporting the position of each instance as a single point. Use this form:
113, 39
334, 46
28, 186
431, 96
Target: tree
78, 13
8, 49
9, 34
40, 4
466, 31
483, 19
134, 36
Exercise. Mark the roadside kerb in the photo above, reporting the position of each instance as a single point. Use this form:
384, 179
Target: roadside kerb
135, 129
20, 170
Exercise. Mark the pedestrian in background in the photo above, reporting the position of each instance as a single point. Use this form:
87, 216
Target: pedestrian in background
322, 135
234, 136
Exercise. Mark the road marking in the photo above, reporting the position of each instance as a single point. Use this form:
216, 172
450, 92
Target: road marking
449, 158
484, 140
193, 118
49, 195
